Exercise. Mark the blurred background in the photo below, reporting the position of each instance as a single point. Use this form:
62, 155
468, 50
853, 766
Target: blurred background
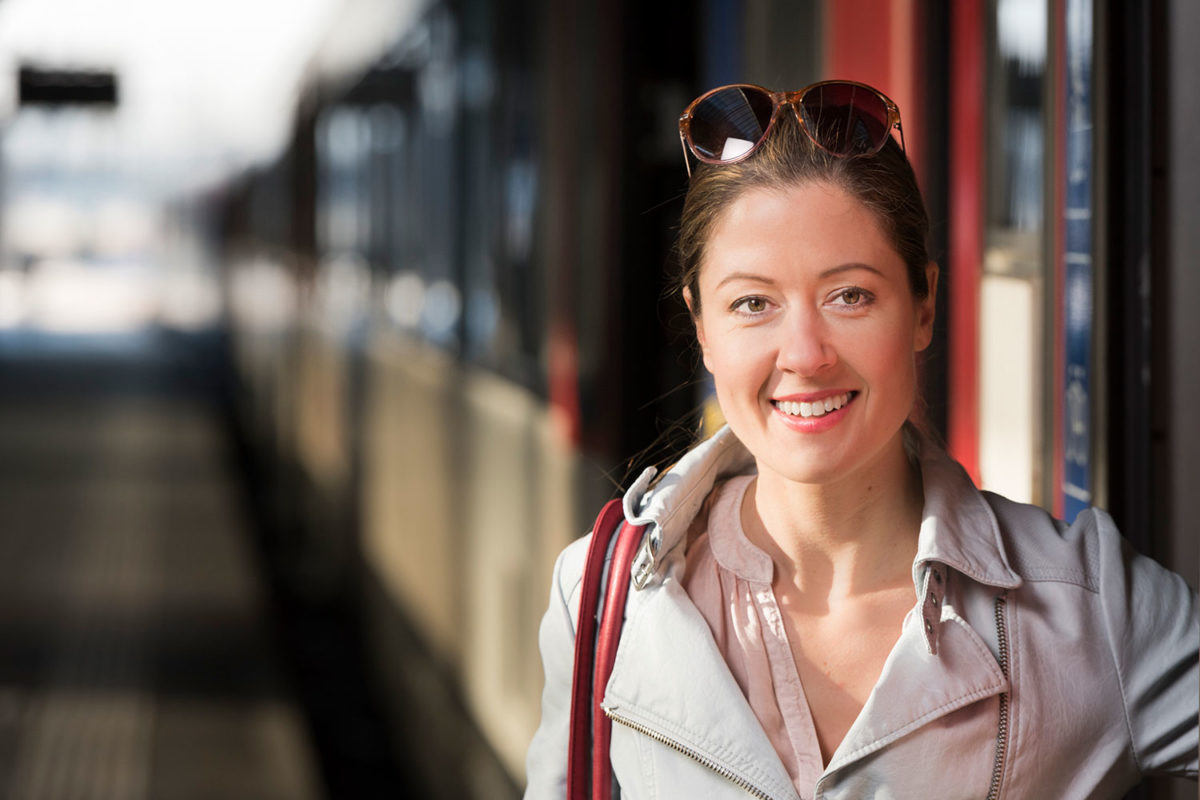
326, 324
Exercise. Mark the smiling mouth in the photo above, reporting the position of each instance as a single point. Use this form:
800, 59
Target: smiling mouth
817, 408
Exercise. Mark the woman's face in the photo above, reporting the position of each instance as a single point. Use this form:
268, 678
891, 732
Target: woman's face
809, 328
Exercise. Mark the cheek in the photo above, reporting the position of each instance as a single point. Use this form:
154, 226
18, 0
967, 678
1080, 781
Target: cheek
725, 359
718, 361
716, 347
741, 369
889, 355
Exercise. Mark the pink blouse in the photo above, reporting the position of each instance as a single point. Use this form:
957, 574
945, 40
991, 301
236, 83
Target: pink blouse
729, 580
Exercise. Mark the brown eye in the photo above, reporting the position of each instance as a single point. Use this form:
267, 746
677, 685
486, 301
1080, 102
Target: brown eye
751, 305
852, 297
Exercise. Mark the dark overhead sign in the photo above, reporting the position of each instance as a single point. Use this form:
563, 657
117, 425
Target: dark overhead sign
57, 87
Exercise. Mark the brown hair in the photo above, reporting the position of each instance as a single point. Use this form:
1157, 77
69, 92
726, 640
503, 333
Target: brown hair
883, 182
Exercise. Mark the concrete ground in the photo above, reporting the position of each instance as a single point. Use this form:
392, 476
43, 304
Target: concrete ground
138, 657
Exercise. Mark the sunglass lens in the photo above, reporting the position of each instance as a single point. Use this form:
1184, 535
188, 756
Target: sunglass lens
728, 123
845, 119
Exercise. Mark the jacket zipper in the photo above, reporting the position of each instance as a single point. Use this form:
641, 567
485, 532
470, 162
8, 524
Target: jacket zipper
741, 783
1002, 733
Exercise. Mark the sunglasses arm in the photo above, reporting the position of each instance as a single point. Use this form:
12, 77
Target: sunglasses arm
686, 161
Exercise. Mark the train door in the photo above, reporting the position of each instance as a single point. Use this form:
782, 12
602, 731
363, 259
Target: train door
1024, 405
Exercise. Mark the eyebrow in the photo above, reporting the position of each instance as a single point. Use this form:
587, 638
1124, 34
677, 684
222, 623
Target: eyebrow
828, 273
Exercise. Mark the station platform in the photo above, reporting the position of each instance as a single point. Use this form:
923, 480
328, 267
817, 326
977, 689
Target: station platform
138, 653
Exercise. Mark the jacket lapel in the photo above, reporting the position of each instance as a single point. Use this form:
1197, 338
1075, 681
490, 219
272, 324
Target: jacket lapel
928, 676
697, 705
917, 687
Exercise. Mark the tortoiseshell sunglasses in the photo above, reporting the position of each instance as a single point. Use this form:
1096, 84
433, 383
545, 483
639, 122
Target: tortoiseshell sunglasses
844, 118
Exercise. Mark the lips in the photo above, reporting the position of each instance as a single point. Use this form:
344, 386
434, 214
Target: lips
818, 407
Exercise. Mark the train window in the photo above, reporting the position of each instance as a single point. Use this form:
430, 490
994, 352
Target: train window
343, 138
504, 324
428, 171
1015, 290
386, 127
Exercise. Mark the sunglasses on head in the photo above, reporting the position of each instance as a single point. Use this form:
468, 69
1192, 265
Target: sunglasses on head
843, 118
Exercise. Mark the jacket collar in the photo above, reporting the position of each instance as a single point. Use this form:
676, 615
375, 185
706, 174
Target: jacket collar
958, 528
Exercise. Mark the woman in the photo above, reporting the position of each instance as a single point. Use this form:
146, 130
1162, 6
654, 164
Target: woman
833, 609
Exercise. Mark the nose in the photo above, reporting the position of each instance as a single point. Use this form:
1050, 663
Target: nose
805, 347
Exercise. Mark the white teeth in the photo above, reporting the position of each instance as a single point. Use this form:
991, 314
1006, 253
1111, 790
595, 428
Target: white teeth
818, 408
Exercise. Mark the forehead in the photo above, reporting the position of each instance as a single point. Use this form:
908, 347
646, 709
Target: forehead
797, 228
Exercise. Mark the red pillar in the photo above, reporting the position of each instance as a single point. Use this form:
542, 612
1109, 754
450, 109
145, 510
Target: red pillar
966, 229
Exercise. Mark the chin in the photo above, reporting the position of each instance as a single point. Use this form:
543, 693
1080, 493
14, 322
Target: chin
829, 462
813, 471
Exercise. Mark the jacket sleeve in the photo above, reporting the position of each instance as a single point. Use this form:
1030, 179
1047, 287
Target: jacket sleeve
1151, 617
546, 760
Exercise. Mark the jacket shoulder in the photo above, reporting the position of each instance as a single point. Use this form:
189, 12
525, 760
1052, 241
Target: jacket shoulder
568, 576
1042, 548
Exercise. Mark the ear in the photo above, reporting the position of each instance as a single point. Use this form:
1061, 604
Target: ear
698, 324
925, 309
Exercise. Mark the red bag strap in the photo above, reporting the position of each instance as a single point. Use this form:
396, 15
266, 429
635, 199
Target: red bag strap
588, 766
580, 741
628, 541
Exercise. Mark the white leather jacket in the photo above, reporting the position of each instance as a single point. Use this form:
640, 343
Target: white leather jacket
1040, 661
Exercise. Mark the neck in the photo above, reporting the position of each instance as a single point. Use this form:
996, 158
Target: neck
851, 537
